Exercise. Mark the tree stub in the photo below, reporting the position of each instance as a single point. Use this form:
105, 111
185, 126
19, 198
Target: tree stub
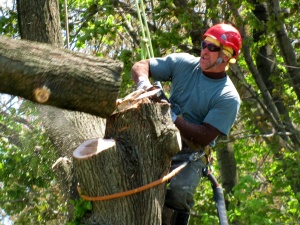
136, 150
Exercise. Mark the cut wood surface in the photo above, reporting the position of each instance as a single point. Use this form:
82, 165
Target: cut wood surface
92, 147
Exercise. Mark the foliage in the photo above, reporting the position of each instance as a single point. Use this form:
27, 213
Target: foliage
81, 208
266, 150
263, 192
27, 182
8, 19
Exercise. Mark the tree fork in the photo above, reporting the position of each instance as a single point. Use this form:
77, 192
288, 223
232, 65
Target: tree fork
141, 142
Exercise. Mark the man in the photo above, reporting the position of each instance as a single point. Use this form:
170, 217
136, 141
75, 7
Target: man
204, 105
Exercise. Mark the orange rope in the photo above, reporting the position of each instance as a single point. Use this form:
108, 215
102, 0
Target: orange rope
133, 191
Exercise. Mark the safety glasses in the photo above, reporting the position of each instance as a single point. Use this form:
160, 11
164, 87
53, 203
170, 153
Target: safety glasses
210, 47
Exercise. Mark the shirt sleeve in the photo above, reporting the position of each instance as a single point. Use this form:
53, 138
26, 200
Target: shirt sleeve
163, 69
223, 115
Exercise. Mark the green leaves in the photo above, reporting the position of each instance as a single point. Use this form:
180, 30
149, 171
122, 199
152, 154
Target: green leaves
8, 22
267, 154
81, 207
26, 179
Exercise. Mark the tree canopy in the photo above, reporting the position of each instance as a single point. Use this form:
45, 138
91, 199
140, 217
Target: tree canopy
264, 140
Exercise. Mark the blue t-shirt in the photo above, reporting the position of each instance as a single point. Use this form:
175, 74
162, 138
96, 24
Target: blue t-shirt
201, 99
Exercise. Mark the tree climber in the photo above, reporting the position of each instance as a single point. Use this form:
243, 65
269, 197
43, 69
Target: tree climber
204, 105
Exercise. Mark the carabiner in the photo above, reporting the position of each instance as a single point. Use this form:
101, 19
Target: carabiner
196, 156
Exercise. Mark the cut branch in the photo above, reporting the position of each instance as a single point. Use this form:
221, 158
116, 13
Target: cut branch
58, 77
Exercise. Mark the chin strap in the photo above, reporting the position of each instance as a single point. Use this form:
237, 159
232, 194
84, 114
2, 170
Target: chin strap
219, 61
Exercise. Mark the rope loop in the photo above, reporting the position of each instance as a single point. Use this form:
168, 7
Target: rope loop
133, 191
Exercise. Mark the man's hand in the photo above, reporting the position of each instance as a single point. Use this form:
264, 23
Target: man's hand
144, 84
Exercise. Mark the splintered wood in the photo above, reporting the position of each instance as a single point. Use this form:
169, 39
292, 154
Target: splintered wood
93, 147
130, 101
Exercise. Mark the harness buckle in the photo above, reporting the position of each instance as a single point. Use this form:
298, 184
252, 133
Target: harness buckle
196, 156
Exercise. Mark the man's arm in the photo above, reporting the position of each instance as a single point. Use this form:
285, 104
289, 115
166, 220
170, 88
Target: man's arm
140, 73
198, 134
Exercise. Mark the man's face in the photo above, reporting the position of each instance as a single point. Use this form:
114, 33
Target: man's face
209, 55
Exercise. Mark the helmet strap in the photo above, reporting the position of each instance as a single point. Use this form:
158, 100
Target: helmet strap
219, 61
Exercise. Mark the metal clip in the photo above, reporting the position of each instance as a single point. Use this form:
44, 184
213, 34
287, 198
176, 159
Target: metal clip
196, 156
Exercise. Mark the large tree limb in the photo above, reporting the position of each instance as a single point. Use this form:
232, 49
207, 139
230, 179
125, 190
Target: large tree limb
58, 77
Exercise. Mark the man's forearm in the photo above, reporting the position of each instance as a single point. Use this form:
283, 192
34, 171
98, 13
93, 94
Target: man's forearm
199, 134
140, 71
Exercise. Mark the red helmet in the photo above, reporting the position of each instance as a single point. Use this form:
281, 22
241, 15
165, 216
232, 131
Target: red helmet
227, 35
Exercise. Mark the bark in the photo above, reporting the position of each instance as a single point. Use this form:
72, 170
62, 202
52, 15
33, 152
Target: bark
41, 21
67, 130
136, 150
58, 77
227, 163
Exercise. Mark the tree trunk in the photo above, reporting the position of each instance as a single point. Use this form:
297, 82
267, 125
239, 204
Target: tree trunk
58, 77
33, 18
227, 163
136, 151
66, 129
265, 61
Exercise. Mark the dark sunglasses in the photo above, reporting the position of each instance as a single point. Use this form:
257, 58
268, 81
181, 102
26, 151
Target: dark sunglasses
211, 47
